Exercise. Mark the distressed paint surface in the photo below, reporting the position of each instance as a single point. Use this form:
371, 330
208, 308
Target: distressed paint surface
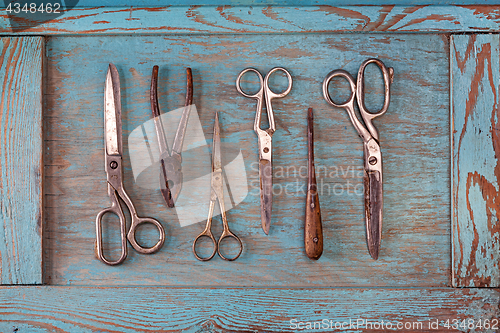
49, 309
21, 160
415, 248
159, 3
475, 61
260, 19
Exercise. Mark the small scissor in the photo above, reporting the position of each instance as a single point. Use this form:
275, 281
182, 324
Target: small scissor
170, 163
265, 165
113, 165
372, 154
217, 194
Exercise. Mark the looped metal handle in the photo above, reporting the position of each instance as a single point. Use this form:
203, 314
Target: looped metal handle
346, 75
136, 222
360, 89
259, 93
229, 234
116, 210
205, 233
271, 94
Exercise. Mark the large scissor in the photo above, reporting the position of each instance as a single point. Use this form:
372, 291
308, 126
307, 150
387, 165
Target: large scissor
113, 164
372, 153
265, 94
217, 194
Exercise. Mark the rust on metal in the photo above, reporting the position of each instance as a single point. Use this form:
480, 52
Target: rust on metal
313, 229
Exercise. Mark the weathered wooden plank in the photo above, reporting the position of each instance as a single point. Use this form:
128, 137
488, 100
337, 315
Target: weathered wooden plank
21, 160
415, 247
475, 62
86, 309
162, 3
258, 19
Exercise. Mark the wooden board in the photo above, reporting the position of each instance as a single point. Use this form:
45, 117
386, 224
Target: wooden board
50, 309
414, 139
21, 160
160, 3
475, 61
258, 19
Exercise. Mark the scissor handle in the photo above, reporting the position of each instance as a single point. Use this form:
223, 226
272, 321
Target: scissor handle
205, 233
259, 93
116, 210
271, 94
228, 234
387, 73
136, 222
326, 94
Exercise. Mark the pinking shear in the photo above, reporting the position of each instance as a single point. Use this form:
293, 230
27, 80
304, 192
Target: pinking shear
372, 153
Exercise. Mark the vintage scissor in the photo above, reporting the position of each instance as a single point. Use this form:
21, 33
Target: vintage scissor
372, 153
170, 162
265, 94
113, 164
217, 194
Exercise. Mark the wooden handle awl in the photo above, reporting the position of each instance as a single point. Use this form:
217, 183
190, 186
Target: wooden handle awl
313, 230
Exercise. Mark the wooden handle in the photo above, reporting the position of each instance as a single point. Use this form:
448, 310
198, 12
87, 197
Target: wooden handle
313, 233
313, 230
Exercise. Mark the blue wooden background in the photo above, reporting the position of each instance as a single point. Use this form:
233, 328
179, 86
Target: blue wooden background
256, 19
415, 246
171, 290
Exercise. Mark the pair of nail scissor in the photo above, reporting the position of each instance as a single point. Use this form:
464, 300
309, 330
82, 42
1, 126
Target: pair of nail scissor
372, 154
265, 165
113, 165
217, 194
170, 162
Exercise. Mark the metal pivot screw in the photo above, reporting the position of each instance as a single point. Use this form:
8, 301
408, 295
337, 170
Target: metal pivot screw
113, 165
315, 239
266, 150
372, 160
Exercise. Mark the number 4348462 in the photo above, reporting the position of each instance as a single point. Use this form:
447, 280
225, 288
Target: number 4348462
468, 324
49, 8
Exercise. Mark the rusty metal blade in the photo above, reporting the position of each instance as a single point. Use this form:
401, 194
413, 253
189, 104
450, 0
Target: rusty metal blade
112, 112
164, 185
373, 211
266, 193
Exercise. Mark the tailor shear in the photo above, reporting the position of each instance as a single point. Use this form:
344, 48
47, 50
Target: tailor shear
265, 94
217, 194
372, 153
170, 162
113, 164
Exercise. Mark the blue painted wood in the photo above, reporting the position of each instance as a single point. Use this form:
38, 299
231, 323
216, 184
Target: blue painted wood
416, 244
81, 309
475, 73
20, 160
156, 3
259, 19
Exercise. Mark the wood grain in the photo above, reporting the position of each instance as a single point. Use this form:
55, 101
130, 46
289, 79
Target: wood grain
21, 160
163, 3
86, 309
415, 247
475, 61
258, 19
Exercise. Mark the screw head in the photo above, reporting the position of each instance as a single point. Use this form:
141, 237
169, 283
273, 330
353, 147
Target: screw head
113, 165
372, 160
266, 150
315, 239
